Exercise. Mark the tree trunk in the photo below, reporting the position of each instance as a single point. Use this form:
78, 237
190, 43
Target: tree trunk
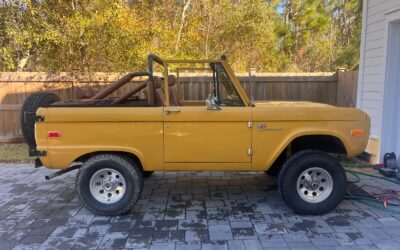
183, 19
208, 36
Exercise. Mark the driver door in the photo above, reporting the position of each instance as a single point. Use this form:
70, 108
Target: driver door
198, 135
219, 133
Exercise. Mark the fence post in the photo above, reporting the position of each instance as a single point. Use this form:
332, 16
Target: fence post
252, 78
338, 99
74, 80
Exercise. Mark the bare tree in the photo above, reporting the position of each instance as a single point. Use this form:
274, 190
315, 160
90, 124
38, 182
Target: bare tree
183, 20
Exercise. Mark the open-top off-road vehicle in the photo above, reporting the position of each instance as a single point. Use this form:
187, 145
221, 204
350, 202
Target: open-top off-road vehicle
116, 141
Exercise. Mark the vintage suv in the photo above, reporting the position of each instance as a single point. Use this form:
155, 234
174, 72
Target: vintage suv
116, 141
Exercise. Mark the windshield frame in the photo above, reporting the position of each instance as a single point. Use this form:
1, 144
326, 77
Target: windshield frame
228, 70
226, 83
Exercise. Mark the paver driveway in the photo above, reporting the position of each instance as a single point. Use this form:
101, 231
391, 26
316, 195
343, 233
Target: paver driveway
181, 210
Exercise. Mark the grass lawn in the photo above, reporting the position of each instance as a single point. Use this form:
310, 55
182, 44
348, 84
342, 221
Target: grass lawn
14, 152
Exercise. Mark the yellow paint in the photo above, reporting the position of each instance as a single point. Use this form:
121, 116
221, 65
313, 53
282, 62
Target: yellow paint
134, 130
192, 137
196, 134
287, 121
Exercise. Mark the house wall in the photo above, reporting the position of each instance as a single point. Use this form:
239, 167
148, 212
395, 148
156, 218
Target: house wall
372, 64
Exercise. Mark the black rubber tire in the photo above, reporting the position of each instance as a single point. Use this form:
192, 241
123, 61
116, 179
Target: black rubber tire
274, 170
31, 105
299, 162
147, 173
128, 169
276, 167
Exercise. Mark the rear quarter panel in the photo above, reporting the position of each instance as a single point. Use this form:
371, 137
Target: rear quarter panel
91, 129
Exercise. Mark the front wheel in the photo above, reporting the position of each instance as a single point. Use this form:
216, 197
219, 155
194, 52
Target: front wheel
312, 182
109, 184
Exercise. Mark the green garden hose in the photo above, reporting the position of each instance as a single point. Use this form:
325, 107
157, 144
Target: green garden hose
365, 199
357, 180
372, 175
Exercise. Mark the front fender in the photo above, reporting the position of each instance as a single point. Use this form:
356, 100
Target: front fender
268, 145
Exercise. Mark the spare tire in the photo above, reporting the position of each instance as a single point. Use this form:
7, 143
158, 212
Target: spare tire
30, 106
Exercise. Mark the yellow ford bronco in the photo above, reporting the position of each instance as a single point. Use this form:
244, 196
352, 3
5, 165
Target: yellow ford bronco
116, 141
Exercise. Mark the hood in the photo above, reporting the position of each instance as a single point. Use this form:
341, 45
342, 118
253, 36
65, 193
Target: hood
290, 104
304, 111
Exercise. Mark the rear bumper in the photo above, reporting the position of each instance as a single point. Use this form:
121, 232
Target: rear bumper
33, 152
38, 163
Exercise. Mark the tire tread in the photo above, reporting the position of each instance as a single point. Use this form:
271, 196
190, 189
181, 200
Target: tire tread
288, 165
122, 160
31, 105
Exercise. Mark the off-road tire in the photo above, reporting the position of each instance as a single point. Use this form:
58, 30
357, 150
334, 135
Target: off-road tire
274, 170
295, 166
31, 105
147, 173
276, 167
128, 169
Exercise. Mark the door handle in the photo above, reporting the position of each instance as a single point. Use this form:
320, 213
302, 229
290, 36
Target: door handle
169, 111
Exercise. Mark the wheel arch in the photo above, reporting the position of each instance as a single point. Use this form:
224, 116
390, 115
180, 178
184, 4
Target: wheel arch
329, 143
131, 156
324, 142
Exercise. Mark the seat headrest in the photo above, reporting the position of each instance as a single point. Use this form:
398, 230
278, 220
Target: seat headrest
158, 81
171, 80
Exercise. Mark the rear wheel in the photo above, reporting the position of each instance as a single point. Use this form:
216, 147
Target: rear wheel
109, 184
30, 106
312, 182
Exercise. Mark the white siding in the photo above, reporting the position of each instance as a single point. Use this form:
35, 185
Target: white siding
372, 77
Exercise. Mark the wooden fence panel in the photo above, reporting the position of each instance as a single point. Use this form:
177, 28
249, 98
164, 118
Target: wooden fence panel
347, 87
331, 88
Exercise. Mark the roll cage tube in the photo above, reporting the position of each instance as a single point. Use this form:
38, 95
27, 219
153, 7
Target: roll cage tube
153, 58
128, 77
164, 63
118, 84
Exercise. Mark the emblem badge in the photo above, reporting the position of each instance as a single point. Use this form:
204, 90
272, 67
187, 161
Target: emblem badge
263, 127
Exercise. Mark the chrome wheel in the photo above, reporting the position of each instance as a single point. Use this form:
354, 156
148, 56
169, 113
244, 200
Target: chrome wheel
107, 185
314, 185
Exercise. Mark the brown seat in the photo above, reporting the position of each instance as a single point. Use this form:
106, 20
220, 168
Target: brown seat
153, 98
172, 91
159, 93
151, 92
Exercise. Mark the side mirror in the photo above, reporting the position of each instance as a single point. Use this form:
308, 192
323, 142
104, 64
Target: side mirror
211, 103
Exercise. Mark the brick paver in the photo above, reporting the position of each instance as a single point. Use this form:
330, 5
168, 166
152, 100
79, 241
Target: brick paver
182, 210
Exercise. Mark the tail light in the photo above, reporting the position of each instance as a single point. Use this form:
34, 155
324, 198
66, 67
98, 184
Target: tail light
53, 134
